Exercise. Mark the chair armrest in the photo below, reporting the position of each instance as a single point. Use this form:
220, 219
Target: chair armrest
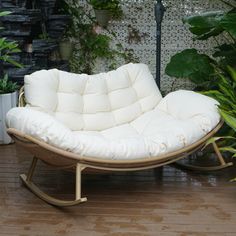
185, 104
41, 126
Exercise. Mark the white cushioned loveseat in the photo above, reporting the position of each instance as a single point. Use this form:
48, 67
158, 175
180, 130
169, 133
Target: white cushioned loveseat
116, 120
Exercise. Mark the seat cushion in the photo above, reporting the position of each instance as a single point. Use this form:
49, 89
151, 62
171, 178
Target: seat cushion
93, 102
180, 119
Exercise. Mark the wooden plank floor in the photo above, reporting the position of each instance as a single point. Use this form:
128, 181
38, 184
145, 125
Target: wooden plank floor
165, 202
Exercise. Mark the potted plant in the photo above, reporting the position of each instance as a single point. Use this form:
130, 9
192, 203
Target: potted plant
66, 48
8, 94
105, 10
66, 44
8, 100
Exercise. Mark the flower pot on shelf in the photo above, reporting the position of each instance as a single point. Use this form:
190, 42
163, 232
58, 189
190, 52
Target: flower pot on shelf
102, 16
7, 101
66, 49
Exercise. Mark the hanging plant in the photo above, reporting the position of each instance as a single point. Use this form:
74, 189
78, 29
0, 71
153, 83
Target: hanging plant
92, 42
105, 10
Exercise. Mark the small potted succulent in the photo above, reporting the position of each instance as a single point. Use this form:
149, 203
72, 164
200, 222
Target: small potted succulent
105, 10
8, 89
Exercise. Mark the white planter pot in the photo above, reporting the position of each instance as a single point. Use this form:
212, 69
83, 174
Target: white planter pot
7, 101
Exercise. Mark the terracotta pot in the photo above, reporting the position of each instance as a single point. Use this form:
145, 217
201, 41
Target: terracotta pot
102, 16
66, 49
7, 101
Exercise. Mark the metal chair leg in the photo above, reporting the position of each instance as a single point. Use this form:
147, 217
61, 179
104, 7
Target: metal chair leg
27, 180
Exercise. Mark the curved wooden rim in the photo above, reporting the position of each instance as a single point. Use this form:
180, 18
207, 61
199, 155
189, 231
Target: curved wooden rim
20, 137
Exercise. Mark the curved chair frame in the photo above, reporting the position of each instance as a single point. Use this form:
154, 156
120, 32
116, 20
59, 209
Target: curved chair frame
66, 160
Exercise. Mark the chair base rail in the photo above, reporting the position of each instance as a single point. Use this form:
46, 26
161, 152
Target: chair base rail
203, 168
27, 180
222, 163
61, 159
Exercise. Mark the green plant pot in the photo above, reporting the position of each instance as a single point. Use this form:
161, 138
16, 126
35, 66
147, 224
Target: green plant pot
66, 49
103, 17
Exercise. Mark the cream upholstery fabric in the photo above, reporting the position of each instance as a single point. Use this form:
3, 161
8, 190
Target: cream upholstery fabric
114, 115
94, 102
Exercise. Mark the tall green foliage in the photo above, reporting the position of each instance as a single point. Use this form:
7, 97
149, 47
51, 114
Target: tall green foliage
214, 75
7, 48
201, 68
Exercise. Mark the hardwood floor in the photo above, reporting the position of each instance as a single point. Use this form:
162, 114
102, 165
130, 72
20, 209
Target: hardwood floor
164, 202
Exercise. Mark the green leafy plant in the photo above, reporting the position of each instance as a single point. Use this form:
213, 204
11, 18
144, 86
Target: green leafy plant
91, 41
112, 5
213, 75
192, 65
226, 95
7, 48
200, 68
7, 86
4, 13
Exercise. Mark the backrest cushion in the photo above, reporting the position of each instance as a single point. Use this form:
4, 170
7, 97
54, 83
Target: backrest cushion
93, 102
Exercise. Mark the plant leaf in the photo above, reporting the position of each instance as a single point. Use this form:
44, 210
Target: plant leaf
226, 53
13, 62
232, 72
4, 13
205, 25
233, 180
228, 22
228, 118
214, 139
221, 98
228, 149
190, 64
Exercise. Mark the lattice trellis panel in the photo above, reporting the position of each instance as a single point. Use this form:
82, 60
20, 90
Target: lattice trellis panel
175, 37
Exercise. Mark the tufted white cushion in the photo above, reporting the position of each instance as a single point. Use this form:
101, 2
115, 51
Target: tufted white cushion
93, 102
114, 115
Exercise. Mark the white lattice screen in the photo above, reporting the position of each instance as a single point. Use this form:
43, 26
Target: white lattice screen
175, 37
